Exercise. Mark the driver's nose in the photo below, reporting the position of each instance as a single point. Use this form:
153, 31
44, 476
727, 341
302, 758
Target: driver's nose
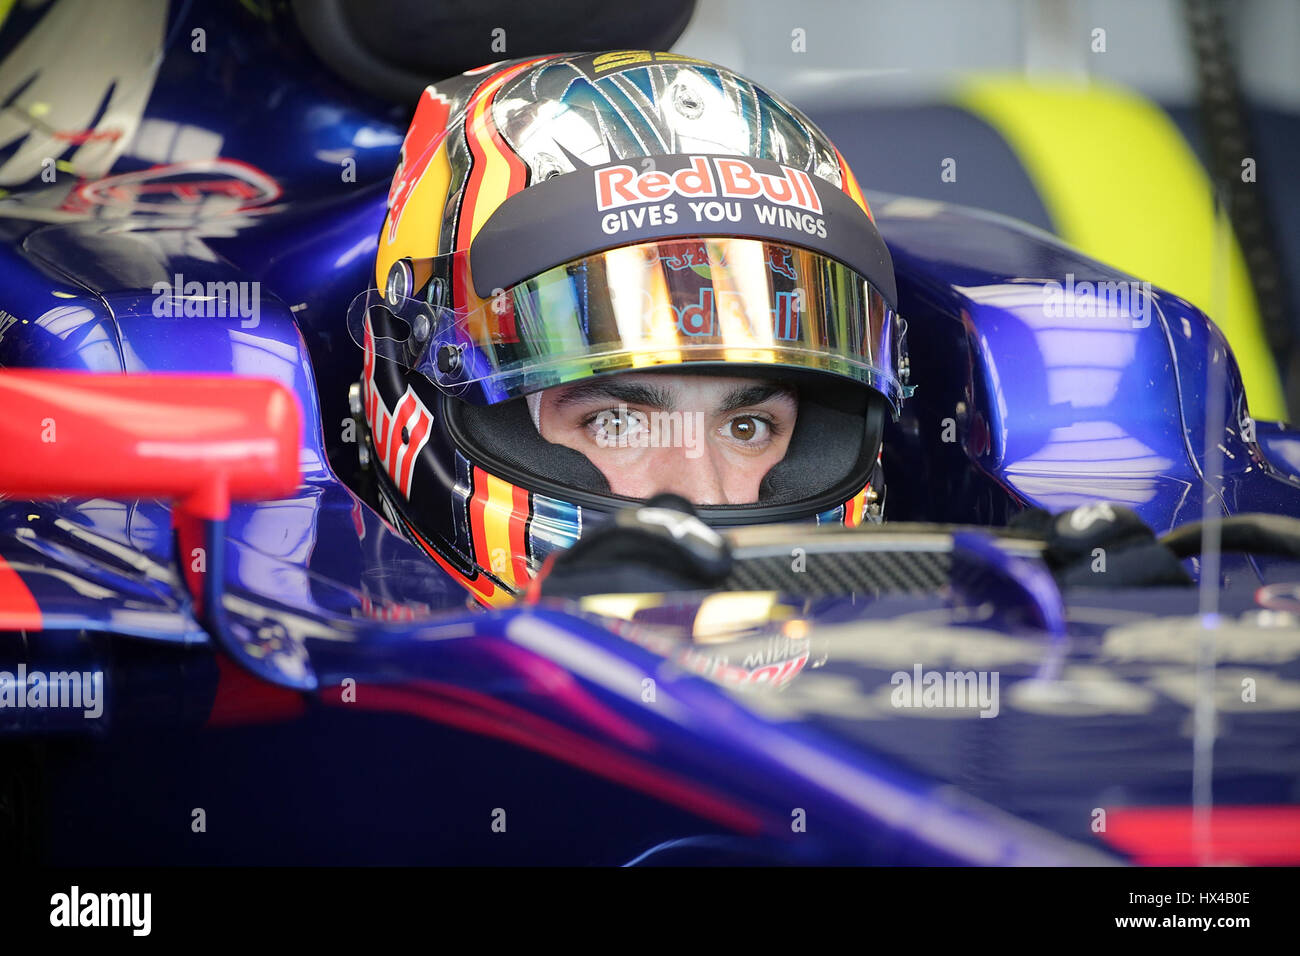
698, 478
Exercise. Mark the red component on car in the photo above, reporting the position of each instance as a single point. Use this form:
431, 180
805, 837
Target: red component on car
18, 609
201, 440
1236, 835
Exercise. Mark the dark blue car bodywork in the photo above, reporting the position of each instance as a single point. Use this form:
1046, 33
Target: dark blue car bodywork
358, 709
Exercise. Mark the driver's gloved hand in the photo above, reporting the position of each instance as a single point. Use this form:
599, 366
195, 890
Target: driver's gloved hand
658, 546
1102, 546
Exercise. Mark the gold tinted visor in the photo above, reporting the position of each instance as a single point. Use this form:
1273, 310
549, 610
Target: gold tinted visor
717, 301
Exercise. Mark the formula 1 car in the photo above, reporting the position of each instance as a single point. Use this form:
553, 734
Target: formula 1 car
215, 647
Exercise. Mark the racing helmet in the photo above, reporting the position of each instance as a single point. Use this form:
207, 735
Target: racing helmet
566, 216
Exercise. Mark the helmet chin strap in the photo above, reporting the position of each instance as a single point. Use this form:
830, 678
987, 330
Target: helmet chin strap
535, 409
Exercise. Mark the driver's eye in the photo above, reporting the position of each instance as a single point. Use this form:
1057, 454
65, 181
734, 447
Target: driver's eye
615, 424
746, 429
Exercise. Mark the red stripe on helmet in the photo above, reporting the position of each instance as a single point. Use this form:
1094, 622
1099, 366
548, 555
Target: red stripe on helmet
519, 513
849, 183
482, 135
477, 525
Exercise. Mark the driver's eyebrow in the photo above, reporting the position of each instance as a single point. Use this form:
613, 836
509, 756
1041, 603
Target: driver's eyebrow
752, 395
629, 393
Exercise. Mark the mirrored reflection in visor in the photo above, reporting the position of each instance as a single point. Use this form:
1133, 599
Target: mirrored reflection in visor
671, 302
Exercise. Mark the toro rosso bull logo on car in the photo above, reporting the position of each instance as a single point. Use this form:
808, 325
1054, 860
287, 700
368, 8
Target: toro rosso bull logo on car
220, 186
710, 190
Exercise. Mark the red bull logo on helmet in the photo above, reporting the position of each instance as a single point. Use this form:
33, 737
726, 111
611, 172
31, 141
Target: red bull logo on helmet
705, 178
